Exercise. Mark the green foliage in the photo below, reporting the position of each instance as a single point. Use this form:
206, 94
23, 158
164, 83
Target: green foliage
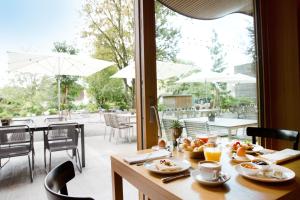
176, 124
69, 88
111, 26
105, 89
167, 36
91, 107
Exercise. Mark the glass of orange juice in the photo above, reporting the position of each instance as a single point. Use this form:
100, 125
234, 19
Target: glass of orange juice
212, 153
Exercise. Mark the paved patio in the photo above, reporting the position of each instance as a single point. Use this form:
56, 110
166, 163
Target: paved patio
94, 181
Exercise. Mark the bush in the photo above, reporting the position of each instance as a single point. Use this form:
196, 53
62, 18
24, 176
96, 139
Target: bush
53, 111
91, 107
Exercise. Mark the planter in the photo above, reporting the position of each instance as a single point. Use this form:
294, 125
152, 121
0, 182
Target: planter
5, 122
176, 133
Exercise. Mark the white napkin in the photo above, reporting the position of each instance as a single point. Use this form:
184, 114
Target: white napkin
146, 156
281, 156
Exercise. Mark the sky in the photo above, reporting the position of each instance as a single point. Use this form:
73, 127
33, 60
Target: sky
33, 26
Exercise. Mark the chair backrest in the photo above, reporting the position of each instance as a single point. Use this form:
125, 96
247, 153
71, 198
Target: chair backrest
195, 128
15, 135
56, 182
167, 123
281, 134
22, 121
54, 119
114, 120
63, 132
107, 119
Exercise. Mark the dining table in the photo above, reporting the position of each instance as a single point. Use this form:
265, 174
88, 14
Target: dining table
237, 187
227, 123
43, 126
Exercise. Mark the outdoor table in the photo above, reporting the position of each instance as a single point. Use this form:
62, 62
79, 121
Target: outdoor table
44, 126
227, 123
237, 187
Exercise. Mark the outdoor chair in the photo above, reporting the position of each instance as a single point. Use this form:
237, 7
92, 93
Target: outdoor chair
54, 119
56, 182
17, 141
196, 128
60, 137
116, 124
166, 126
107, 122
281, 134
22, 122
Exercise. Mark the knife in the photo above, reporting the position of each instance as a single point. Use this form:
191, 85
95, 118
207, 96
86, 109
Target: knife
172, 178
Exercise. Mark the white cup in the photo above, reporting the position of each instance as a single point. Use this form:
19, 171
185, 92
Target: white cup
209, 170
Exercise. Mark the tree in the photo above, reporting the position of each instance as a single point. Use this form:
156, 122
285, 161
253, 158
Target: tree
69, 88
106, 90
110, 24
217, 55
251, 48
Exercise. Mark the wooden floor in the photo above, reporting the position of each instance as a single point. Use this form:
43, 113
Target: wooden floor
94, 181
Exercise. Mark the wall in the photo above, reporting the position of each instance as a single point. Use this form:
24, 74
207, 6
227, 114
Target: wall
278, 29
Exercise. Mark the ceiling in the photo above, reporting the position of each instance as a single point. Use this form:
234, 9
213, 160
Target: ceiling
209, 9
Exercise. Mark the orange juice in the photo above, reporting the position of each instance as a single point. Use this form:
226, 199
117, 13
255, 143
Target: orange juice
212, 153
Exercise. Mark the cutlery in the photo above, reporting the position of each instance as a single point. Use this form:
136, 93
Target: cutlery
172, 178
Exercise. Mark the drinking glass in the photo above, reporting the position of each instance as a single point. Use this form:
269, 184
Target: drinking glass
212, 153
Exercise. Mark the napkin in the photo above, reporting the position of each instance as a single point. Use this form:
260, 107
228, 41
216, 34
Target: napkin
146, 156
281, 156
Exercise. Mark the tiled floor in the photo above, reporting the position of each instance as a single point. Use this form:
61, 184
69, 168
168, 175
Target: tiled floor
94, 181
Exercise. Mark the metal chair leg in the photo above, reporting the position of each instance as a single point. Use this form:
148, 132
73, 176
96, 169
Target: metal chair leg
79, 162
32, 158
49, 161
45, 163
30, 169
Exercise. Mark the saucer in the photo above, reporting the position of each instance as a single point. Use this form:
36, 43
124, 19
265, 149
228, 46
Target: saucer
221, 180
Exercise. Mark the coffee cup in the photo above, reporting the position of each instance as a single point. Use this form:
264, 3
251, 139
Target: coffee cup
209, 170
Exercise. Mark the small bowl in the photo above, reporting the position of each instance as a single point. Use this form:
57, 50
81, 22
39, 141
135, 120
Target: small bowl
195, 155
250, 168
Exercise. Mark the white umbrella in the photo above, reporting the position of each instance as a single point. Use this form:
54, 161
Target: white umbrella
55, 64
204, 77
165, 70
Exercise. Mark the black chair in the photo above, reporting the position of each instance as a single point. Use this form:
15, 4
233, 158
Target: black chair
281, 134
56, 182
17, 141
60, 137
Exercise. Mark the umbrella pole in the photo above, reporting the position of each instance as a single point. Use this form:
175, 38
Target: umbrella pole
58, 94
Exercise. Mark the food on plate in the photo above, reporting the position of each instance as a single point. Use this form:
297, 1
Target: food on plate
246, 145
241, 151
198, 149
166, 165
248, 165
259, 162
249, 168
193, 147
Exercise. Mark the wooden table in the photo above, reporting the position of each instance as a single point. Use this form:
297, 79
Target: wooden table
228, 123
237, 187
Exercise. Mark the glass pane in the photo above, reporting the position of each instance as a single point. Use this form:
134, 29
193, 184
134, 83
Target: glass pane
206, 74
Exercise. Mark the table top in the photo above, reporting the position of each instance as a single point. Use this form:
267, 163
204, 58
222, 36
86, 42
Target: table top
224, 122
237, 187
127, 115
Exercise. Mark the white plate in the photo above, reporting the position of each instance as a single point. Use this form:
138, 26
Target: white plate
184, 164
196, 175
256, 148
287, 174
239, 159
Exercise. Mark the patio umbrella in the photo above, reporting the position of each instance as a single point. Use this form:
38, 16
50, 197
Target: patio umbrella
204, 77
212, 77
165, 70
55, 64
